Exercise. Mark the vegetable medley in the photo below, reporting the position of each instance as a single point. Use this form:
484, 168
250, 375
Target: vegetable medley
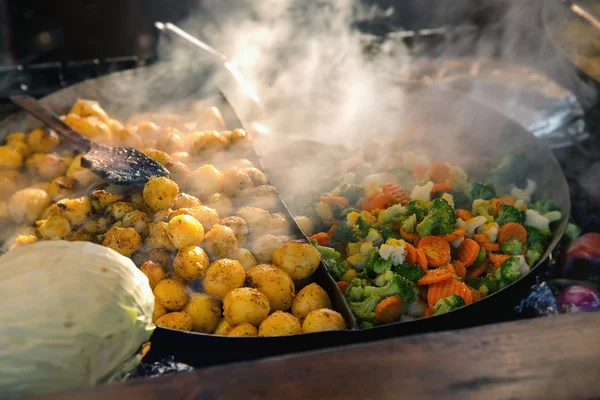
217, 254
400, 255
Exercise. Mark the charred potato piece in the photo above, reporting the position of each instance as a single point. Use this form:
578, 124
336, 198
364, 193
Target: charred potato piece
125, 241
220, 241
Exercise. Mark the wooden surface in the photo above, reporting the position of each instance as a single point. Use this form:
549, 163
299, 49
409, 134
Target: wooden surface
545, 358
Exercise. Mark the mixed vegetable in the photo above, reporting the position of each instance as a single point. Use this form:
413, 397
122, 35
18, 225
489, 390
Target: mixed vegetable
400, 255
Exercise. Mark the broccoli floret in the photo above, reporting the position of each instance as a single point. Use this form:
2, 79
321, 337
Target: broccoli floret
535, 235
489, 285
512, 247
352, 192
338, 211
377, 265
508, 213
366, 325
344, 234
440, 219
395, 285
391, 213
355, 290
411, 272
509, 270
534, 252
482, 208
410, 224
332, 260
448, 304
365, 310
481, 190
363, 227
417, 207
544, 206
572, 232
461, 199
387, 232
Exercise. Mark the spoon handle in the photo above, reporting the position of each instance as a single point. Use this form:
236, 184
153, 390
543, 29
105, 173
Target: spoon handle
37, 110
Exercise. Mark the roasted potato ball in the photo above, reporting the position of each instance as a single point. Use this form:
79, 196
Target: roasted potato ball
245, 306
243, 330
239, 228
297, 258
274, 283
280, 323
323, 319
159, 193
220, 241
205, 312
206, 180
158, 236
79, 235
171, 141
10, 158
8, 185
159, 311
223, 327
207, 140
91, 126
76, 210
309, 298
61, 187
275, 224
171, 293
95, 225
125, 241
176, 320
184, 200
54, 228
191, 262
16, 137
154, 272
184, 231
253, 216
82, 175
137, 220
26, 205
264, 247
126, 137
305, 224
159, 156
235, 181
47, 166
162, 215
264, 196
245, 257
20, 147
104, 199
119, 209
159, 256
42, 140
222, 276
89, 108
257, 176
219, 202
205, 215
181, 156
179, 172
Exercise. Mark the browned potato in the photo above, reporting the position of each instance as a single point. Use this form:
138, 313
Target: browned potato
297, 258
205, 215
222, 276
82, 175
280, 323
257, 176
254, 217
179, 172
89, 108
219, 202
323, 320
104, 198
159, 156
311, 297
184, 200
61, 187
274, 283
205, 312
159, 193
171, 293
191, 262
158, 236
264, 196
154, 272
176, 320
76, 210
26, 205
123, 240
159, 256
264, 247
220, 241
243, 330
184, 231
245, 306
137, 220
159, 311
239, 228
223, 327
206, 180
235, 181
54, 228
245, 257
119, 209
42, 140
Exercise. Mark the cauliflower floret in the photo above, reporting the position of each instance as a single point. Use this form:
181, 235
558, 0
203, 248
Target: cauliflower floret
491, 230
553, 216
449, 199
523, 266
472, 224
524, 194
422, 192
456, 243
536, 220
412, 160
366, 248
397, 254
374, 237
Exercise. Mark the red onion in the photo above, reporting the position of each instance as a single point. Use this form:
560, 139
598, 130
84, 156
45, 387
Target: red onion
582, 259
578, 298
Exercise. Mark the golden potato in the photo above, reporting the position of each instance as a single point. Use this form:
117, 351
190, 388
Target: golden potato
54, 228
297, 258
159, 256
280, 323
171, 293
125, 241
245, 257
26, 205
207, 140
176, 320
257, 176
181, 156
10, 158
119, 209
8, 185
162, 215
104, 199
51, 166
264, 196
22, 240
82, 175
191, 262
220, 241
92, 127
171, 141
264, 247
20, 147
223, 327
309, 298
61, 187
222, 276
239, 228
184, 231
323, 319
305, 224
206, 180
137, 220
159, 311
42, 140
253, 216
235, 181
95, 224
205, 215
219, 202
154, 272
184, 200
127, 137
275, 224
89, 108
205, 312
243, 330
179, 172
274, 283
79, 235
76, 210
245, 306
158, 236
15, 137
159, 193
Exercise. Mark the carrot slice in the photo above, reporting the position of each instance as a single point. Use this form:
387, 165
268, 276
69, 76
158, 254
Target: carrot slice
460, 268
512, 230
480, 238
379, 201
447, 288
468, 252
491, 246
442, 187
408, 236
343, 285
422, 260
477, 271
450, 268
498, 259
331, 200
389, 309
436, 249
395, 192
419, 171
495, 204
434, 276
464, 214
322, 238
439, 172
428, 312
454, 235
411, 254
332, 230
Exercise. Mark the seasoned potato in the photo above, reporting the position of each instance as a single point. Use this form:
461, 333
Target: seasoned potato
206, 180
159, 256
253, 216
245, 257
16, 137
205, 312
171, 293
54, 228
20, 147
159, 311
26, 205
123, 240
76, 210
50, 166
264, 196
309, 298
10, 158
239, 228
235, 181
184, 231
219, 202
274, 283
79, 235
126, 137
154, 272
159, 156
159, 193
162, 215
243, 330
104, 199
305, 224
42, 140
158, 236
205, 215
82, 175
89, 108
280, 323
275, 224
264, 247
176, 320
91, 126
220, 241
181, 156
137, 220
297, 258
61, 187
191, 262
8, 184
207, 140
257, 176
179, 172
119, 209
223, 327
222, 276
171, 141
245, 306
323, 319
184, 200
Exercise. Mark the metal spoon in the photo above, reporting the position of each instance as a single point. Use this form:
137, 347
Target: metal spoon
584, 13
116, 165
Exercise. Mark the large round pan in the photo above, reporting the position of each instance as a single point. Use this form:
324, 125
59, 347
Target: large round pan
452, 119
